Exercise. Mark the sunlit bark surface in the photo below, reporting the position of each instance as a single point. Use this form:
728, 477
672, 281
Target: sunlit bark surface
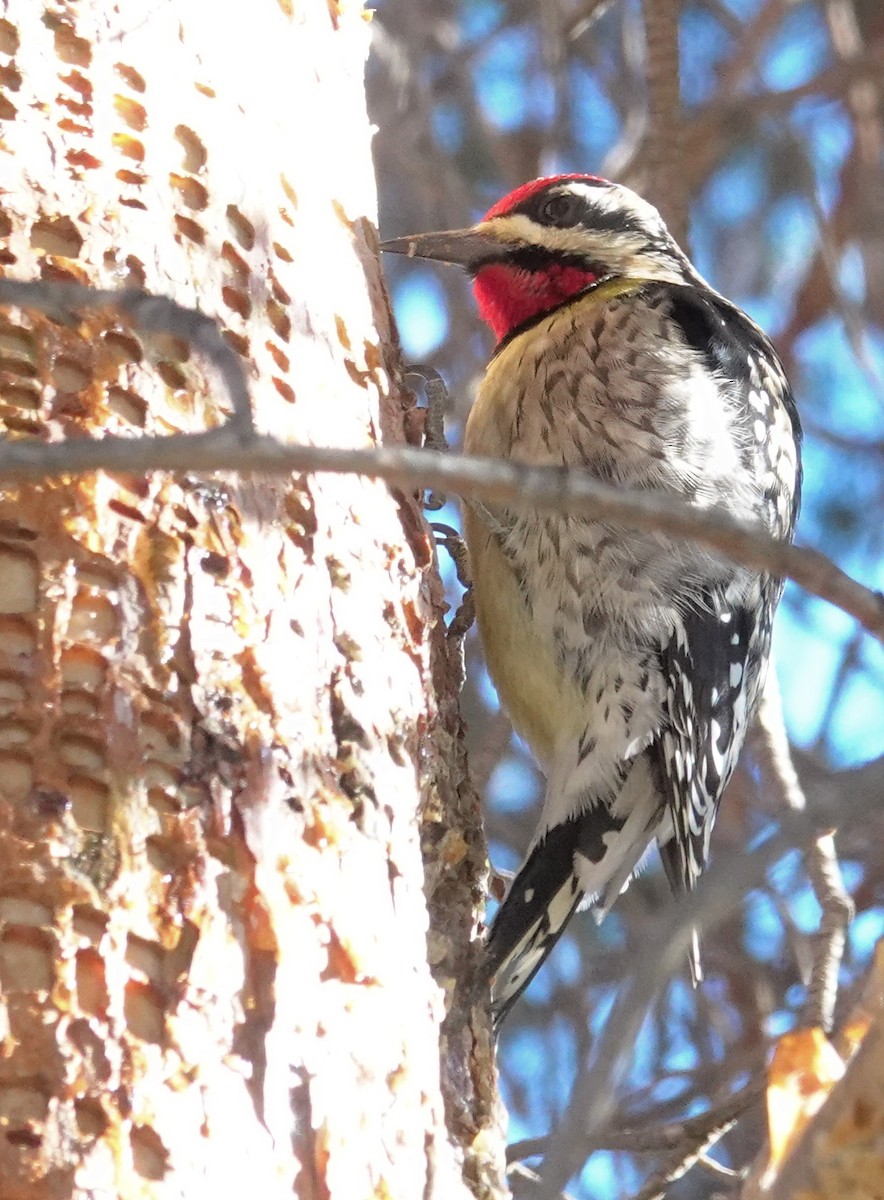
219, 719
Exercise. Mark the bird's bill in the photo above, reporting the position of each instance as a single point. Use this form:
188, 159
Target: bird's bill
464, 247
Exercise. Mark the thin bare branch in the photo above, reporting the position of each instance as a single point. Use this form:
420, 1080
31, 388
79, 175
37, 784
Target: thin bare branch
863, 96
716, 1168
677, 1164
752, 36
151, 314
663, 146
235, 447
687, 1136
770, 745
526, 1183
538, 489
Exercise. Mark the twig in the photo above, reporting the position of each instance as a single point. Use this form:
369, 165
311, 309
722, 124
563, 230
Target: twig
678, 1163
578, 22
526, 1182
856, 324
152, 314
717, 1168
523, 488
662, 948
687, 1136
751, 36
770, 744
863, 95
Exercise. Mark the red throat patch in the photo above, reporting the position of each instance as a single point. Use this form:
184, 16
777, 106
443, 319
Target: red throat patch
508, 295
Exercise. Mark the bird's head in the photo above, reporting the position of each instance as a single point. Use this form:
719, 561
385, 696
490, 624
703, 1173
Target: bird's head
550, 240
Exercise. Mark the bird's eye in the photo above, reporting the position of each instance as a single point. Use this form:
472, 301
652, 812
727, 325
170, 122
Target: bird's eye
562, 210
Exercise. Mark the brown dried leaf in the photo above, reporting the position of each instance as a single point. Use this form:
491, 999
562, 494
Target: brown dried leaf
805, 1065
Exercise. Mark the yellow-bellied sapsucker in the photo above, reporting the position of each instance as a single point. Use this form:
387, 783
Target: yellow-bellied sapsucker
631, 663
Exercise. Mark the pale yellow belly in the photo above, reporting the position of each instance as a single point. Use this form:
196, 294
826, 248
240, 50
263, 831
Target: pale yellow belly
545, 707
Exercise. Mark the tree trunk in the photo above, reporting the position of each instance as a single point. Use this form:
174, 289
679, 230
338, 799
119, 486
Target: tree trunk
228, 714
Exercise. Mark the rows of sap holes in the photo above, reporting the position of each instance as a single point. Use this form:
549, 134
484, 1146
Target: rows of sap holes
58, 237
28, 941
71, 371
28, 956
78, 737
26, 951
60, 242
10, 77
78, 730
194, 197
236, 291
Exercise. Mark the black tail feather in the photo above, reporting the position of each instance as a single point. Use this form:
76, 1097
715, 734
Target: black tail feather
540, 903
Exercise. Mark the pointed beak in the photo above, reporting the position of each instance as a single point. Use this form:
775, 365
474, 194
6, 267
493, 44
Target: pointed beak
469, 248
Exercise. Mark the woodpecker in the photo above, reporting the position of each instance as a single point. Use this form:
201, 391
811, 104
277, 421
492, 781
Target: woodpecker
631, 663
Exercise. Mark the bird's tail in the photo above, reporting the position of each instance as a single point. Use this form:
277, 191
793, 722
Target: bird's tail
593, 853
673, 866
538, 906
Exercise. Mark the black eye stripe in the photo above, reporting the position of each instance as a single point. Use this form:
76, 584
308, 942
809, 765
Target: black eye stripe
536, 258
587, 215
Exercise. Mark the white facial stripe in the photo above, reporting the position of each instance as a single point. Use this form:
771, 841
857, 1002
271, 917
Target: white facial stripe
620, 253
619, 250
521, 230
618, 199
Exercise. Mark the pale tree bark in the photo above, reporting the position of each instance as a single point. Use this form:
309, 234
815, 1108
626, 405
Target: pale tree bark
229, 720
